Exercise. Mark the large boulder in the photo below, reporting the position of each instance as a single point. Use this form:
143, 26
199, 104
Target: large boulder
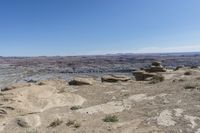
81, 81
32, 120
115, 78
142, 75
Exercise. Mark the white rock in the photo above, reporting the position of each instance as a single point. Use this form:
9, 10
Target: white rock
108, 108
178, 112
192, 120
165, 119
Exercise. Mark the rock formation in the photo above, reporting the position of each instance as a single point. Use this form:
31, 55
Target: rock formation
115, 78
142, 75
145, 74
81, 81
156, 67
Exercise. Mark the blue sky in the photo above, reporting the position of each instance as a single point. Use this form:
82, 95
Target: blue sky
78, 27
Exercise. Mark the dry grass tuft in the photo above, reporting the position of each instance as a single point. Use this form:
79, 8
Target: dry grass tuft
55, 123
77, 125
111, 118
70, 123
73, 123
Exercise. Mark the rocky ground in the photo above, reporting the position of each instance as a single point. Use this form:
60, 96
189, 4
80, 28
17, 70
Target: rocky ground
32, 102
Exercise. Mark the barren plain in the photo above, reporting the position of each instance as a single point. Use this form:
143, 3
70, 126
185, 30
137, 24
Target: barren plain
100, 94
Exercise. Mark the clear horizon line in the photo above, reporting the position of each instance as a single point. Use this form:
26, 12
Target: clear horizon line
106, 54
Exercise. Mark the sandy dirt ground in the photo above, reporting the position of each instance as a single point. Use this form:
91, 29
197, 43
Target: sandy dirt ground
53, 106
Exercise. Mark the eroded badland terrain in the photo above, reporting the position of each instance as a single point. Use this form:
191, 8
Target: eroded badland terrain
100, 94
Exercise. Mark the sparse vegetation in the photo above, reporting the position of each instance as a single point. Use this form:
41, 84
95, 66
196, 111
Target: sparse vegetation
190, 87
126, 95
194, 67
178, 67
73, 123
70, 123
178, 80
157, 78
75, 107
188, 73
55, 123
41, 83
77, 125
111, 118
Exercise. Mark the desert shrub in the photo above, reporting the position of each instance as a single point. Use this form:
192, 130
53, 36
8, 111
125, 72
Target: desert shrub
157, 78
190, 87
77, 125
188, 73
181, 80
73, 123
178, 67
75, 107
70, 123
194, 67
178, 80
111, 118
41, 83
55, 123
141, 68
126, 95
